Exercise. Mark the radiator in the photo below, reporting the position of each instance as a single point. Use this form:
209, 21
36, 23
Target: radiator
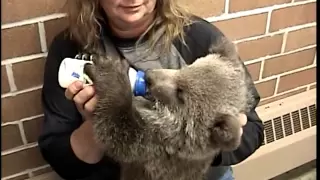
289, 138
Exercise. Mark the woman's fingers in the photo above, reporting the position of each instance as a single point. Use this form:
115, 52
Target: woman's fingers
91, 104
84, 95
73, 89
243, 119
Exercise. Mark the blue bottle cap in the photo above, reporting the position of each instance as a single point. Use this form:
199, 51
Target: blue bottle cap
140, 84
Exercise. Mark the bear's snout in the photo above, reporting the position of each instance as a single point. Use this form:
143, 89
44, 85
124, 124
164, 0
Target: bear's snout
161, 84
160, 78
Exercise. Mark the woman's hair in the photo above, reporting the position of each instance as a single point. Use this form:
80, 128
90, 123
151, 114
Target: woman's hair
84, 17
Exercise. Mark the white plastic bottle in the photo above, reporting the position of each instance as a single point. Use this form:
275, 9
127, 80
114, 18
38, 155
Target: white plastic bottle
71, 70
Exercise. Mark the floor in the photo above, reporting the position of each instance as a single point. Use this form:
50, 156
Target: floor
305, 172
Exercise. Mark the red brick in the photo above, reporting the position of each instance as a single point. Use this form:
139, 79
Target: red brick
10, 137
17, 10
254, 70
243, 27
20, 41
28, 74
5, 87
53, 27
261, 47
292, 16
295, 80
266, 89
242, 5
288, 62
21, 106
20, 161
32, 129
205, 8
301, 38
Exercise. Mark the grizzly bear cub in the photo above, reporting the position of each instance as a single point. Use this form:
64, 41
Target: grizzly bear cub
193, 115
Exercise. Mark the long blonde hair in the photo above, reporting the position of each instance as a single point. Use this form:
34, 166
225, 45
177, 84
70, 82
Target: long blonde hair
84, 17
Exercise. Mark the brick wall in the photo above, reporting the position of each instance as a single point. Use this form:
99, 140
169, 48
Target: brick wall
275, 38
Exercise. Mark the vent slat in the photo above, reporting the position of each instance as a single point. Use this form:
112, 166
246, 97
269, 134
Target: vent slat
268, 131
313, 115
304, 118
296, 121
278, 128
287, 124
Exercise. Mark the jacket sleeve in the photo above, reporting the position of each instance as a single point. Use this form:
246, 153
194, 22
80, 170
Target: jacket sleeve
252, 137
253, 131
61, 117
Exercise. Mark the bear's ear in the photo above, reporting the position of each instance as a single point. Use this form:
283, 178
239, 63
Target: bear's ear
225, 47
226, 132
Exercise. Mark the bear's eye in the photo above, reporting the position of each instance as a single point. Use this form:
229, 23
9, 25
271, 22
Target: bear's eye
179, 92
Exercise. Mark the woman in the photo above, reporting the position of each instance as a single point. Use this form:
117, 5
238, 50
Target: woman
160, 33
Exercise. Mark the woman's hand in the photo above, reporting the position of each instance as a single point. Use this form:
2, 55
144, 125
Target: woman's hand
82, 139
243, 121
84, 98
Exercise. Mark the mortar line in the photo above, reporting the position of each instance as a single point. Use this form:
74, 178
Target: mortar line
255, 11
18, 149
15, 175
23, 58
268, 22
42, 35
281, 31
33, 20
21, 92
276, 86
261, 70
10, 76
284, 42
285, 73
251, 61
22, 133
22, 120
226, 6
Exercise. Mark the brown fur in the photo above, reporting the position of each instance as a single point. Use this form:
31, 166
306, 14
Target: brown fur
177, 136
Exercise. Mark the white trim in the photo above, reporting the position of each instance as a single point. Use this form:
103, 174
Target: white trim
33, 20
10, 76
255, 11
21, 92
23, 58
42, 35
18, 149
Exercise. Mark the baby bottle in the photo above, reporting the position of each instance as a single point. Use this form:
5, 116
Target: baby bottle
72, 69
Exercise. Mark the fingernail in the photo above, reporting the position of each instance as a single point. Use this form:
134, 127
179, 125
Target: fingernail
78, 85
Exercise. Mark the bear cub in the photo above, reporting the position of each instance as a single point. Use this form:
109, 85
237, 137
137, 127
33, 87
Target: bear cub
191, 117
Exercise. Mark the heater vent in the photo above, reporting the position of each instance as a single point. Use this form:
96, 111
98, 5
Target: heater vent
289, 138
290, 123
